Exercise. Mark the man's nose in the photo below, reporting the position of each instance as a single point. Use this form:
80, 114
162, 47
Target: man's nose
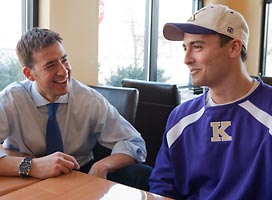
62, 70
188, 59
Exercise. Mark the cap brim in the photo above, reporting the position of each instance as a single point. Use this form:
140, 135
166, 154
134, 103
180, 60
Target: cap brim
175, 31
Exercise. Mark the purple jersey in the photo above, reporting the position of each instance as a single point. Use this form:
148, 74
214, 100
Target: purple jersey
218, 152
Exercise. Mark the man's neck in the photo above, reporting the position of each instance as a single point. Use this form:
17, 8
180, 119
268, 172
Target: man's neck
234, 93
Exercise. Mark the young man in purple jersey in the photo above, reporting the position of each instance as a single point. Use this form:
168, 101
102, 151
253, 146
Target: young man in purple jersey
217, 145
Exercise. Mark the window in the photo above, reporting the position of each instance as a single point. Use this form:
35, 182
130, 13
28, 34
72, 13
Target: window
131, 44
18, 15
266, 68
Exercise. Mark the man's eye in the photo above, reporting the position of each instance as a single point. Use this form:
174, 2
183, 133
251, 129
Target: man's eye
48, 67
197, 47
64, 60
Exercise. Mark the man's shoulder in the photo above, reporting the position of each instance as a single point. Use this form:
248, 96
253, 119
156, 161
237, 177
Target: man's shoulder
262, 93
79, 87
192, 105
187, 108
80, 90
18, 87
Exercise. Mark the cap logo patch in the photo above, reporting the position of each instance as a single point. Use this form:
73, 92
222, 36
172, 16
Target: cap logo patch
230, 30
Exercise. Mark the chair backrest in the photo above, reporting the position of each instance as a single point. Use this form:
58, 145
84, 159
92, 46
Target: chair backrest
267, 79
156, 101
125, 100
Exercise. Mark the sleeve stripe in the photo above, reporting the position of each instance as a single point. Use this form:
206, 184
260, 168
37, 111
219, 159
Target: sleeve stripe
177, 130
258, 114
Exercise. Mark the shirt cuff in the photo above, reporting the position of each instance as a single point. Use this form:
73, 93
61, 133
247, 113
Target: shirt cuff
2, 154
135, 151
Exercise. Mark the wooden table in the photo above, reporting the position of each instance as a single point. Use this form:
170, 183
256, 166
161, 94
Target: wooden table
72, 186
78, 186
9, 184
12, 152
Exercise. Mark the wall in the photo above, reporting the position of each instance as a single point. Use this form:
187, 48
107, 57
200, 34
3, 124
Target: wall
77, 23
252, 11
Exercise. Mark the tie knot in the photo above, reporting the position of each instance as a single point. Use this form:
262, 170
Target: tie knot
52, 109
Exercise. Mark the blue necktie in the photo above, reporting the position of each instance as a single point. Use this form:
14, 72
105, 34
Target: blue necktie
53, 136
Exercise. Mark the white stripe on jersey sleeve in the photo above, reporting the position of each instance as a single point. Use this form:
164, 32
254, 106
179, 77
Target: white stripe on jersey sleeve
258, 114
176, 130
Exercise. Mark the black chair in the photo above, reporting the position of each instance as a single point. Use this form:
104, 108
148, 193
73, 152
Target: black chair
156, 101
267, 79
125, 100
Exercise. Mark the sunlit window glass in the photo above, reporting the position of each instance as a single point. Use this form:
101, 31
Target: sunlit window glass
131, 44
121, 40
170, 53
268, 65
11, 30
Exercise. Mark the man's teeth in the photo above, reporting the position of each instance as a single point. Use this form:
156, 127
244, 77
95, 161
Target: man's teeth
62, 81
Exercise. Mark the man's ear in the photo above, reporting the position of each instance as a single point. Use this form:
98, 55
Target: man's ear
236, 47
28, 73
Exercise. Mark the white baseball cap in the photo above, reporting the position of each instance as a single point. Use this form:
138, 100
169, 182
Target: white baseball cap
209, 20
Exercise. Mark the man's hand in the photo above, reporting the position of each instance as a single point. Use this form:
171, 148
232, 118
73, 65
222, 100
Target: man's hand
110, 164
53, 165
99, 169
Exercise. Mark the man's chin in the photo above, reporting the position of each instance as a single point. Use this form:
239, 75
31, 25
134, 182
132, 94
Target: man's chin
62, 92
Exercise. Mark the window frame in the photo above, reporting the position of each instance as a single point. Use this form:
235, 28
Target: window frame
264, 38
30, 17
151, 37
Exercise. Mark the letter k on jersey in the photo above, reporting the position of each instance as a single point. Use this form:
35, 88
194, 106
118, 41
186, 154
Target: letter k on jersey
219, 133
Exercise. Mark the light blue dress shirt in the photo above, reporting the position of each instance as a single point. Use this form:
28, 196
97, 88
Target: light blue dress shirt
84, 116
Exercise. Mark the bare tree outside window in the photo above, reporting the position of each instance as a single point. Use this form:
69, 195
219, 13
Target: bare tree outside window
122, 37
11, 24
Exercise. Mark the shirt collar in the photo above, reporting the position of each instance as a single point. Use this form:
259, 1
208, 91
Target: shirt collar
39, 100
210, 102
